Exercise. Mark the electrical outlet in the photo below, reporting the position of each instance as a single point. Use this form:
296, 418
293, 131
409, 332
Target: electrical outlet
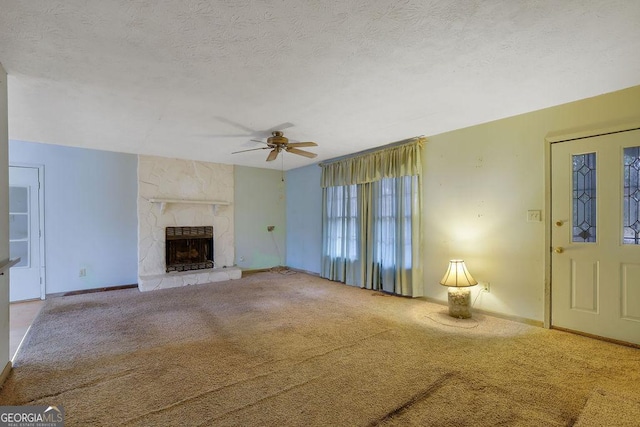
83, 272
271, 227
486, 287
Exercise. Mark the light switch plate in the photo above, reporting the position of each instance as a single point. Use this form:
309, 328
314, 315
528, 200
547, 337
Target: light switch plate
534, 216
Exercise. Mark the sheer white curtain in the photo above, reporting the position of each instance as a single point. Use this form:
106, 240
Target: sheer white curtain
371, 220
342, 237
394, 241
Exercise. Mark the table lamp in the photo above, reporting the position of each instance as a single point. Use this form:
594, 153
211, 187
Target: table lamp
458, 279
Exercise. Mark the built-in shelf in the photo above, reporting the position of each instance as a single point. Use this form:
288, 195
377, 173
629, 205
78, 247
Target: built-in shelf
7, 264
213, 203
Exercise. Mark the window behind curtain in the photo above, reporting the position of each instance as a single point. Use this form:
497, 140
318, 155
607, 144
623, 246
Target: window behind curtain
371, 219
342, 222
392, 221
382, 212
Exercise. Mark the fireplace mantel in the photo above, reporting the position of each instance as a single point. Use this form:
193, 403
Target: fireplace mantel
213, 203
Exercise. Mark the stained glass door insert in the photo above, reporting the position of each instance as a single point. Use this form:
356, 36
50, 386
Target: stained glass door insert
584, 197
631, 196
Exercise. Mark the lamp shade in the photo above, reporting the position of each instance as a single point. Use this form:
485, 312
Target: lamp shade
457, 275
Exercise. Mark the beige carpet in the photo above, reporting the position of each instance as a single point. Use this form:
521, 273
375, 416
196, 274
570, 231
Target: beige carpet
273, 350
604, 407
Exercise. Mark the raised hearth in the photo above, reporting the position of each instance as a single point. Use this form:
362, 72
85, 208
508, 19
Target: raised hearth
186, 278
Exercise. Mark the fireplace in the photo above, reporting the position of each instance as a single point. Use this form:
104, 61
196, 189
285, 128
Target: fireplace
188, 248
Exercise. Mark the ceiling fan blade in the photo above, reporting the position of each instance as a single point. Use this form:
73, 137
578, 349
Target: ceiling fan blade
302, 144
301, 152
272, 155
251, 132
281, 126
235, 124
221, 135
252, 149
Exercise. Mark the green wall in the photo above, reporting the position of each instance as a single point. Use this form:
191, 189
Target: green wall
259, 202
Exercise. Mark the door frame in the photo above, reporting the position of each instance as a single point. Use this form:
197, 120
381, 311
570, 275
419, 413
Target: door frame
597, 129
41, 213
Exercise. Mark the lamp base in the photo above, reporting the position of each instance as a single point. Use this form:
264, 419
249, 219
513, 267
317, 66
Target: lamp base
459, 302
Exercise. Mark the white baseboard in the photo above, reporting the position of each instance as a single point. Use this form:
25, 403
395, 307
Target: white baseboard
518, 319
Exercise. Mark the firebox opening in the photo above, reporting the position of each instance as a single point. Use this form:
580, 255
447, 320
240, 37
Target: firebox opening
189, 248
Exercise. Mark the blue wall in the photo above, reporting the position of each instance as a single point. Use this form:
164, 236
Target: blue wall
304, 218
90, 214
91, 219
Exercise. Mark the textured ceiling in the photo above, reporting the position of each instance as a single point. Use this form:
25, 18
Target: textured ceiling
199, 79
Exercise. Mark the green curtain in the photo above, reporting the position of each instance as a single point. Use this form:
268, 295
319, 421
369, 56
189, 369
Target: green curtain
371, 226
403, 160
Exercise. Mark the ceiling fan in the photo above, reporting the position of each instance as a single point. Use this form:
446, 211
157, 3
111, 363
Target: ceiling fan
277, 142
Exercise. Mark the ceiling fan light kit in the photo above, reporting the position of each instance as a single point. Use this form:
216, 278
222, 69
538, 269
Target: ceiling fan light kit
278, 142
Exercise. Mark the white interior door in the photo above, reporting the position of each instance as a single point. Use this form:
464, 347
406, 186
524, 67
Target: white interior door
24, 233
595, 270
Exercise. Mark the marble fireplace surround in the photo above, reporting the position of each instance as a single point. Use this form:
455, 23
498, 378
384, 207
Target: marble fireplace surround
175, 192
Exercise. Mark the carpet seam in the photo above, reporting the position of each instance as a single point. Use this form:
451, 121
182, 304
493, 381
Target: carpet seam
284, 390
179, 403
104, 379
413, 400
194, 397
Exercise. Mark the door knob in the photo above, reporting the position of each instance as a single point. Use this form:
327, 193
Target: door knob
558, 250
559, 223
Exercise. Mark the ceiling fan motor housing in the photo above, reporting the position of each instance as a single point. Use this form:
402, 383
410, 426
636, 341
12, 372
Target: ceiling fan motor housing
277, 139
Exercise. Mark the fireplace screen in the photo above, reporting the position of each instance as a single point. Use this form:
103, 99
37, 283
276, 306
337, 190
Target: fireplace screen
189, 248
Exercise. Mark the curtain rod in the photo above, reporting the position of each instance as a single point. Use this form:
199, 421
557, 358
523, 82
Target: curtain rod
371, 150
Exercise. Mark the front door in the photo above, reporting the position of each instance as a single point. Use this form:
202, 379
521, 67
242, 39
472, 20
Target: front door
24, 233
595, 206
